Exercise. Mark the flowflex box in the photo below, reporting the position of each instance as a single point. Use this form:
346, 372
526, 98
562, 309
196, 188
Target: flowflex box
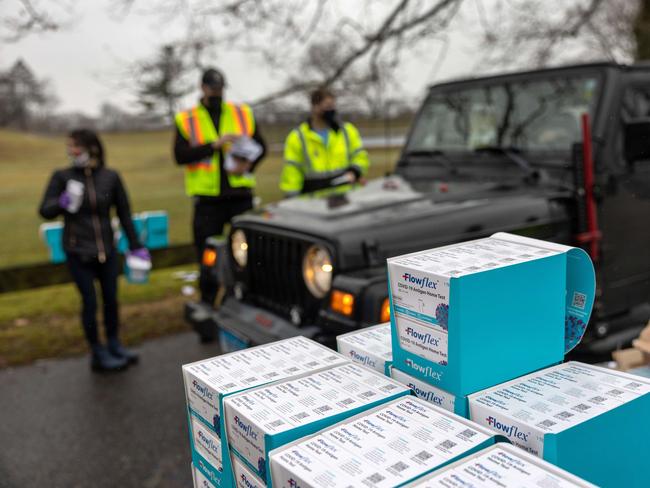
385, 447
370, 346
208, 382
200, 479
245, 477
262, 419
499, 466
472, 315
431, 394
591, 421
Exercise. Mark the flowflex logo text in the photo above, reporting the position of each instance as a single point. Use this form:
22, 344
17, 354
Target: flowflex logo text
209, 444
425, 338
246, 428
509, 430
293, 483
427, 395
246, 482
423, 282
424, 370
360, 358
202, 390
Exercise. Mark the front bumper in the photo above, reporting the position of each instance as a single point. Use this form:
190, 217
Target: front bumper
238, 325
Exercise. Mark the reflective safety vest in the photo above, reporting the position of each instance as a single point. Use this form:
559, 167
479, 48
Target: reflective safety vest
306, 155
195, 125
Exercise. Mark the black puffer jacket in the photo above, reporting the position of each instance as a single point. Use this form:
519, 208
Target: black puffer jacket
88, 232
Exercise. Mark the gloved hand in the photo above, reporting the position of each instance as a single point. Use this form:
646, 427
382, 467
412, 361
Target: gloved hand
65, 201
141, 253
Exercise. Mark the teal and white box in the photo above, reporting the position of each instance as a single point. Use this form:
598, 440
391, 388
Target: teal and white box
200, 478
209, 381
369, 346
268, 417
472, 315
384, 447
500, 466
588, 420
245, 477
431, 394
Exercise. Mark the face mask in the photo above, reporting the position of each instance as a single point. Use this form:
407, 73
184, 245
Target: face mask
80, 161
214, 102
331, 118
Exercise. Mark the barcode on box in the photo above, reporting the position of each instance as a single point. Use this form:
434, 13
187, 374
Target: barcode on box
615, 392
490, 265
250, 380
331, 358
389, 387
546, 424
579, 300
633, 385
467, 434
399, 467
324, 408
447, 444
299, 416
422, 456
229, 385
581, 407
507, 260
525, 256
367, 394
346, 401
563, 415
597, 399
312, 364
276, 423
292, 370
272, 374
373, 479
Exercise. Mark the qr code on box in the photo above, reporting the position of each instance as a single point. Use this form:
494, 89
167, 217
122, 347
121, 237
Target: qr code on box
579, 300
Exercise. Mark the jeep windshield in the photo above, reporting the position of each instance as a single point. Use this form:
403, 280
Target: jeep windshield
531, 115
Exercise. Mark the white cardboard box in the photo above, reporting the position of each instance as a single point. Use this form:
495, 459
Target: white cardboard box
430, 393
209, 381
200, 480
370, 346
268, 417
384, 447
498, 466
589, 420
244, 477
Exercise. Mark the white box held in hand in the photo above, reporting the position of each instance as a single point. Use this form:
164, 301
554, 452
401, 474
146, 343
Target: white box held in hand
471, 315
209, 381
384, 447
268, 417
499, 466
591, 421
370, 346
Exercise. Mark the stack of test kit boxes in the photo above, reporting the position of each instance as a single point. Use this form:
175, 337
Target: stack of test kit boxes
271, 416
209, 382
472, 315
369, 346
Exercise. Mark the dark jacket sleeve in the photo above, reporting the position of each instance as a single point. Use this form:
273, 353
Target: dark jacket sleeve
124, 213
257, 137
186, 154
320, 182
50, 208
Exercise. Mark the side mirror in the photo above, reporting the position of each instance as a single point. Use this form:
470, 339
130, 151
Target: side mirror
637, 140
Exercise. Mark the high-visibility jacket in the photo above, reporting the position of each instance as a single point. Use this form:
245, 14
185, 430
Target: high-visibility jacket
306, 155
195, 125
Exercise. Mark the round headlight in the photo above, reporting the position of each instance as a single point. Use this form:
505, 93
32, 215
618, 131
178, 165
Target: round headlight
239, 247
317, 270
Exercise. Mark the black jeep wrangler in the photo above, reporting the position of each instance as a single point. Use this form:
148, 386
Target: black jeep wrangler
557, 154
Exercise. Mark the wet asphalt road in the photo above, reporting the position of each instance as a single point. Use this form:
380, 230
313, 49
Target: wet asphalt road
63, 426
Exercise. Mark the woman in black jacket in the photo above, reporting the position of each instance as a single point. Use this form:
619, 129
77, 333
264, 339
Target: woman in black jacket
84, 194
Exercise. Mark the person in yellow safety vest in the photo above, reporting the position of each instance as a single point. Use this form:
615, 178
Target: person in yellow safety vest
322, 152
221, 187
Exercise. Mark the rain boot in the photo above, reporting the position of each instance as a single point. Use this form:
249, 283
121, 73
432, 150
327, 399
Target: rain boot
102, 360
119, 351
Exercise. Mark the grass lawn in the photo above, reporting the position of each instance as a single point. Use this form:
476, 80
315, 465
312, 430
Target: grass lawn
145, 161
31, 330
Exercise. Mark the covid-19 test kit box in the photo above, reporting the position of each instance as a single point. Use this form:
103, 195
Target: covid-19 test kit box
499, 466
471, 315
431, 394
385, 447
370, 346
264, 418
589, 420
208, 382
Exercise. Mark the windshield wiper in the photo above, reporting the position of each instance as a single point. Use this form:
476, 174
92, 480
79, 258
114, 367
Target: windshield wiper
514, 155
438, 155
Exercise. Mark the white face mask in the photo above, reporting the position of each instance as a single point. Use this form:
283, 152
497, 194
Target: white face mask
80, 161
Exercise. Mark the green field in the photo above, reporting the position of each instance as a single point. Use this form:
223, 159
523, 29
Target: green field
146, 164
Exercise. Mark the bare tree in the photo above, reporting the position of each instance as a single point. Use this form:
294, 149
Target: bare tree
24, 17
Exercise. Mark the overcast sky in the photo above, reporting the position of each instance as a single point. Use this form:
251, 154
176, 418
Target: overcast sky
83, 61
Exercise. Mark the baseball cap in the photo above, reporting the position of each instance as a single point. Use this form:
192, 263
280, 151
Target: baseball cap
213, 78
